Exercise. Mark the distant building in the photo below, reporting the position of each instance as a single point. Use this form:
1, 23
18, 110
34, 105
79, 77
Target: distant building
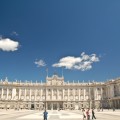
58, 94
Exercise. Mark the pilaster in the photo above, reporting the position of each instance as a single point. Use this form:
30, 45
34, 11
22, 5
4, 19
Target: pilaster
84, 93
2, 94
52, 94
19, 93
78, 94
63, 93
68, 95
57, 94
35, 94
30, 94
25, 94
74, 94
7, 93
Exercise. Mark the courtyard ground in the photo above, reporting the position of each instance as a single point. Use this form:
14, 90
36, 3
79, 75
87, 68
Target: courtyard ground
55, 115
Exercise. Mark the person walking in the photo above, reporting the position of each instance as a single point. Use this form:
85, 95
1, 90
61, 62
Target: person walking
113, 109
83, 111
45, 115
88, 114
93, 114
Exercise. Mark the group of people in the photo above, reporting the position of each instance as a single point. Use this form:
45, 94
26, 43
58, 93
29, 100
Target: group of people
87, 114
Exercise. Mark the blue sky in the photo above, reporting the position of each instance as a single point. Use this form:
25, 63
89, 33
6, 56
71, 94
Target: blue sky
58, 32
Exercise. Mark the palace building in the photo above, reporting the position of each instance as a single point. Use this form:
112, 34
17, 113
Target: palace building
56, 94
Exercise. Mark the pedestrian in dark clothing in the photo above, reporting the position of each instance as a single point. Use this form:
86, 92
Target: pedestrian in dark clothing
93, 114
113, 109
45, 115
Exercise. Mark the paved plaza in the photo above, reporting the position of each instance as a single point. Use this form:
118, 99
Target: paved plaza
55, 115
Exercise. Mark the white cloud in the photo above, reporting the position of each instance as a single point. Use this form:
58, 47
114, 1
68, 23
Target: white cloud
6, 44
83, 63
40, 63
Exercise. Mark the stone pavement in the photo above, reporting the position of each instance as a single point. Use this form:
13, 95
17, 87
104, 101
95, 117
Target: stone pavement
56, 115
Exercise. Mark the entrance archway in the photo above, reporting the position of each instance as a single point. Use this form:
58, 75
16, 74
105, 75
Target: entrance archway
32, 106
60, 106
54, 106
49, 106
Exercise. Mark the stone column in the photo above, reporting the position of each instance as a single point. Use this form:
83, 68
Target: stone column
51, 106
35, 94
74, 94
25, 94
57, 94
96, 94
89, 97
68, 94
41, 94
101, 93
102, 97
63, 94
84, 93
89, 93
108, 92
46, 93
30, 94
13, 93
46, 105
19, 93
2, 94
7, 94
78, 94
52, 94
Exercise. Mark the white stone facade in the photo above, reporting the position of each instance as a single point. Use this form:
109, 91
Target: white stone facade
58, 94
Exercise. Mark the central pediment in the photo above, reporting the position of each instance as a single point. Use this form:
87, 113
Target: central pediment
55, 80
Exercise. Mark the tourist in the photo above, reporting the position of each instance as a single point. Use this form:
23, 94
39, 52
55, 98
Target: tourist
93, 114
113, 109
83, 111
88, 114
45, 115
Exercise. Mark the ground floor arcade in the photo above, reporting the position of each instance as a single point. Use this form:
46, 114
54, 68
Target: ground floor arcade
58, 105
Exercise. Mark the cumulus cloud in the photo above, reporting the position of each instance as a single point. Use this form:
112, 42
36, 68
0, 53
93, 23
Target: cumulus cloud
6, 44
40, 63
83, 63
